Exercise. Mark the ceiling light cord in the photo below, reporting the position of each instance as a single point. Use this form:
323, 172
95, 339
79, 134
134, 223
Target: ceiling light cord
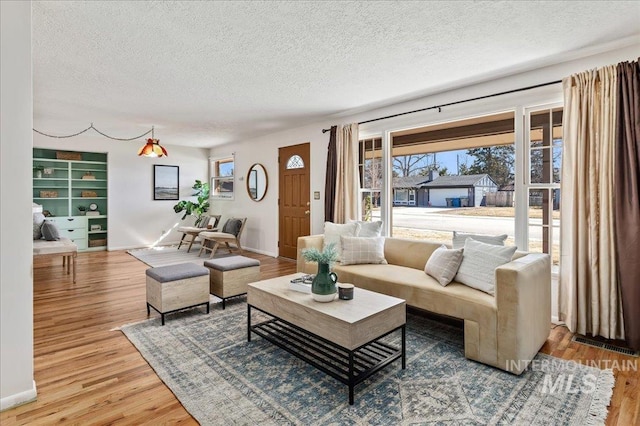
96, 130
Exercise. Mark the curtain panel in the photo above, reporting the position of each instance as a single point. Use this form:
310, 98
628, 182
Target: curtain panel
347, 179
627, 201
589, 295
330, 177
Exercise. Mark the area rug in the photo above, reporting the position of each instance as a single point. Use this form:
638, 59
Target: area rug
170, 255
222, 379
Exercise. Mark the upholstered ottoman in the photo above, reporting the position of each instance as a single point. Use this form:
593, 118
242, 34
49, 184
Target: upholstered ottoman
229, 276
175, 287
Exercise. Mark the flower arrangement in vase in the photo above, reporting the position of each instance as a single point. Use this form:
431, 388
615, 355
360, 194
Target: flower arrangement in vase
323, 287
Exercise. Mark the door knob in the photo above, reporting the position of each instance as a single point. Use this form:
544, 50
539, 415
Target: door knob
307, 211
308, 203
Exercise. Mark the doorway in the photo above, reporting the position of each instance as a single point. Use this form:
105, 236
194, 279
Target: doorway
294, 207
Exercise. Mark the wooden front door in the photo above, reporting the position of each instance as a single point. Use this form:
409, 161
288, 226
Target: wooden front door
293, 201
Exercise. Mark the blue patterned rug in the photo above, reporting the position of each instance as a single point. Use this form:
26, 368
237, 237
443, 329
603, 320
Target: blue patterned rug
222, 379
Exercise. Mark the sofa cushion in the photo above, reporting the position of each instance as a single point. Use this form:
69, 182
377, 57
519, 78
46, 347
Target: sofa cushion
333, 232
459, 238
50, 231
479, 263
443, 264
358, 250
421, 290
38, 220
368, 229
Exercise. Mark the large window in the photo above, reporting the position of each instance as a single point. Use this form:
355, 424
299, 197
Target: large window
462, 176
222, 170
370, 165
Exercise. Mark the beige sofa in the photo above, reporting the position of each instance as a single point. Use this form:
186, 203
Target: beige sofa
505, 330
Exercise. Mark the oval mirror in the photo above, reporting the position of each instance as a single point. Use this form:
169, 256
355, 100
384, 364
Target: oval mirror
257, 182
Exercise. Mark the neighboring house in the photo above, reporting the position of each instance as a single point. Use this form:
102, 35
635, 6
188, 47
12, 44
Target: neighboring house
442, 191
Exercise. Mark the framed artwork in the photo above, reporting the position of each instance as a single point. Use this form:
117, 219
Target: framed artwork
166, 182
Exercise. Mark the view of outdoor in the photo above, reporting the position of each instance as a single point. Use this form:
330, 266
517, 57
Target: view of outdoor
469, 187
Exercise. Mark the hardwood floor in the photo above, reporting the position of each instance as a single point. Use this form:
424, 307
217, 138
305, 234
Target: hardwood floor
87, 372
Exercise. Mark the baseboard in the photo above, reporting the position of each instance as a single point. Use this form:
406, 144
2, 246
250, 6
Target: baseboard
266, 253
12, 401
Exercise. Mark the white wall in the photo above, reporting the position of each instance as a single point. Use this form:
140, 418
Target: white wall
16, 290
135, 219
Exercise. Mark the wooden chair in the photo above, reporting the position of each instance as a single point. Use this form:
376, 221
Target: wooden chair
194, 231
231, 232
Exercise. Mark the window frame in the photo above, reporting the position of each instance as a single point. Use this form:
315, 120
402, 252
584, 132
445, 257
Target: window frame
216, 180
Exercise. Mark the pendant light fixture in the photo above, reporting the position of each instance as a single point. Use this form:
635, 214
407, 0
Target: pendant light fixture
153, 148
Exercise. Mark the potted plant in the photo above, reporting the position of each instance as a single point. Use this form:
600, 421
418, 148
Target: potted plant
37, 171
323, 287
195, 208
83, 210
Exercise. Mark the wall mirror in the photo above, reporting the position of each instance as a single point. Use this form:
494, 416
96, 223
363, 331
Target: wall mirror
257, 182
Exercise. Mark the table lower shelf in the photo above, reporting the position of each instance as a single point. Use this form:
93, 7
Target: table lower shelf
348, 366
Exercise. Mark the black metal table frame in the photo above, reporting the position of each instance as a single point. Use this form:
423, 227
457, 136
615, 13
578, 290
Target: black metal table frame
347, 366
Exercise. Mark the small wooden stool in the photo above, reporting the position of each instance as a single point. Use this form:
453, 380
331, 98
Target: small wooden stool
229, 276
176, 287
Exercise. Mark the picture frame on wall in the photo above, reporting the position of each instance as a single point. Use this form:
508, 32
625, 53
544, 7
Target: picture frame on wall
166, 182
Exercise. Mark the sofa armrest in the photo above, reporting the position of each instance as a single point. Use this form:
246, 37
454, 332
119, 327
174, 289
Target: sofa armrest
523, 299
309, 241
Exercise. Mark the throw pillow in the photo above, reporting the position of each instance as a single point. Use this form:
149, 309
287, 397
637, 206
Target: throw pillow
443, 264
358, 250
479, 263
38, 220
232, 226
333, 232
368, 229
50, 231
459, 239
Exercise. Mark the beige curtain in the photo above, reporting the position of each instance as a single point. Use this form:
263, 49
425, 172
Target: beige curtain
347, 179
589, 296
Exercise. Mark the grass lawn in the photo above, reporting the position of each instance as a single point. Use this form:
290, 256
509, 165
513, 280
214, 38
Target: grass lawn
534, 212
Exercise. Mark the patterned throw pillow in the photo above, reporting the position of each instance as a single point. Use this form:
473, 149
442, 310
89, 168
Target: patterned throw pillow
479, 263
358, 250
333, 232
443, 264
50, 231
459, 239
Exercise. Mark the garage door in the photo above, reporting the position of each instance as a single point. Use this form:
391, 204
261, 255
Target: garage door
438, 197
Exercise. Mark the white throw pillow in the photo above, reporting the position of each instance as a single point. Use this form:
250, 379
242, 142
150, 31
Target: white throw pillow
443, 264
479, 263
358, 250
368, 229
459, 238
333, 232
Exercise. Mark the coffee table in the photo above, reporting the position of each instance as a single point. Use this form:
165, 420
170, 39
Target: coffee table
343, 338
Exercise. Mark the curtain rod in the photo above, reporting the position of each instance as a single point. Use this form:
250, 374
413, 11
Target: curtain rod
439, 107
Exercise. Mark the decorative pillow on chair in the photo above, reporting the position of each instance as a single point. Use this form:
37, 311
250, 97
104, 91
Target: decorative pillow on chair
333, 232
358, 250
368, 229
50, 231
232, 226
479, 263
443, 264
459, 238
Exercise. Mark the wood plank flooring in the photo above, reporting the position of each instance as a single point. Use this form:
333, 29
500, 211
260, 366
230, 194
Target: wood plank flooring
88, 373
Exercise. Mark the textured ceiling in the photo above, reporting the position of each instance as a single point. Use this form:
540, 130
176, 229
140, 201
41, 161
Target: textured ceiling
206, 73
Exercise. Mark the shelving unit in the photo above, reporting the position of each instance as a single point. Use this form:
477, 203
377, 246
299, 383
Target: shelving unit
62, 185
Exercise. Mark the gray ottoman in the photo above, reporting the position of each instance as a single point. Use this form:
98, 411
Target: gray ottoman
175, 287
229, 276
